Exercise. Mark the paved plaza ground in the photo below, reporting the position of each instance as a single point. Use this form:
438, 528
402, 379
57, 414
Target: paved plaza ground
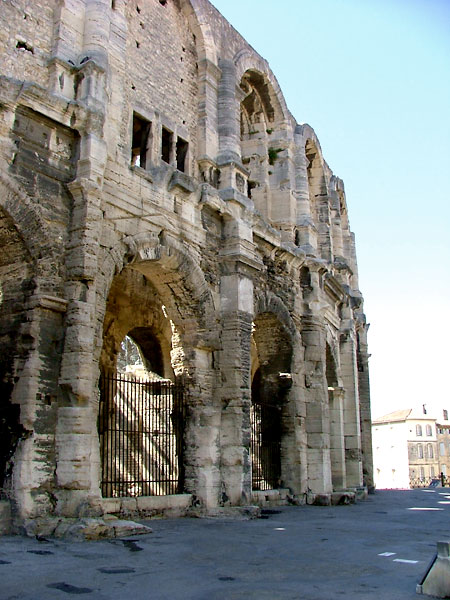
378, 549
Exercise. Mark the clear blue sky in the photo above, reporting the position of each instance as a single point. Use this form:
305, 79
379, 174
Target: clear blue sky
372, 77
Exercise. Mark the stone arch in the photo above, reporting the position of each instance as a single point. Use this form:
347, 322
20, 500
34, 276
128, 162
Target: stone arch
151, 282
25, 215
246, 61
264, 146
174, 274
198, 20
134, 309
272, 350
267, 302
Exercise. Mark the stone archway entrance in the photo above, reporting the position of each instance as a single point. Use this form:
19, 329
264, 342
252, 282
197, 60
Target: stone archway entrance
142, 408
265, 420
141, 431
271, 381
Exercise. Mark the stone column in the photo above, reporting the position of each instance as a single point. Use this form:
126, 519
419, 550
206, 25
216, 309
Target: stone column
96, 31
294, 464
317, 408
77, 448
228, 114
337, 442
209, 76
202, 434
364, 406
349, 373
236, 314
236, 392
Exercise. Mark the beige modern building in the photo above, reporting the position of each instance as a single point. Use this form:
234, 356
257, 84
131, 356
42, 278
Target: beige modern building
410, 448
155, 187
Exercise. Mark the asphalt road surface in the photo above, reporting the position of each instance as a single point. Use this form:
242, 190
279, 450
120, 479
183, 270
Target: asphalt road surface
378, 550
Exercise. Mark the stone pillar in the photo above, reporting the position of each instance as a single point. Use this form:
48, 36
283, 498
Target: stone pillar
208, 77
228, 115
36, 393
202, 435
364, 406
337, 442
236, 318
294, 450
349, 373
77, 447
317, 408
96, 31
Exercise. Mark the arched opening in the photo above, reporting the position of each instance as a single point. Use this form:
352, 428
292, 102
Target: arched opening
271, 355
16, 285
263, 149
142, 409
318, 198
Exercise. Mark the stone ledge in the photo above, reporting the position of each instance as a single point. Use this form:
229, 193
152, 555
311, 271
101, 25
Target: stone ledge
239, 513
279, 497
149, 506
83, 529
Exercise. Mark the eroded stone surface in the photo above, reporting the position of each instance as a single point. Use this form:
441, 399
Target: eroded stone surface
155, 185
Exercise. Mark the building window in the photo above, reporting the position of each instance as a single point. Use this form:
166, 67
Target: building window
181, 151
166, 145
429, 430
140, 143
442, 449
445, 415
430, 451
444, 470
422, 473
418, 430
420, 451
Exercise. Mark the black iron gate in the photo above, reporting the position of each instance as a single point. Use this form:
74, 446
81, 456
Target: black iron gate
265, 420
141, 430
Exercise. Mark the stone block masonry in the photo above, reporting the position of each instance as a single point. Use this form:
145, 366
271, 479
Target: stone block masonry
163, 215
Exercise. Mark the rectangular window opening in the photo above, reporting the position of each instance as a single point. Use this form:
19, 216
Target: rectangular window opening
181, 150
140, 154
166, 145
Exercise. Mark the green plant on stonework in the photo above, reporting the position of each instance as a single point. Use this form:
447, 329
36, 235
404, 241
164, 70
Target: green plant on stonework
273, 154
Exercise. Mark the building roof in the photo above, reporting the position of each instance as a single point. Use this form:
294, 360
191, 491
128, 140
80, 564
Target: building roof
398, 415
402, 415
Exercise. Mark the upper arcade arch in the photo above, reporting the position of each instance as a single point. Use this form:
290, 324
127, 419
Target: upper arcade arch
247, 62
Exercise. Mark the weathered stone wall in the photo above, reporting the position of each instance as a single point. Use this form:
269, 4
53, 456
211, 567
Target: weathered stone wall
155, 184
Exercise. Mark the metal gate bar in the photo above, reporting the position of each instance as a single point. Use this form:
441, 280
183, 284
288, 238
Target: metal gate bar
265, 446
141, 430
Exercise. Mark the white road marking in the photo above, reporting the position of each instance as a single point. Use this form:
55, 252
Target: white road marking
429, 491
403, 560
424, 508
280, 528
388, 554
444, 502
